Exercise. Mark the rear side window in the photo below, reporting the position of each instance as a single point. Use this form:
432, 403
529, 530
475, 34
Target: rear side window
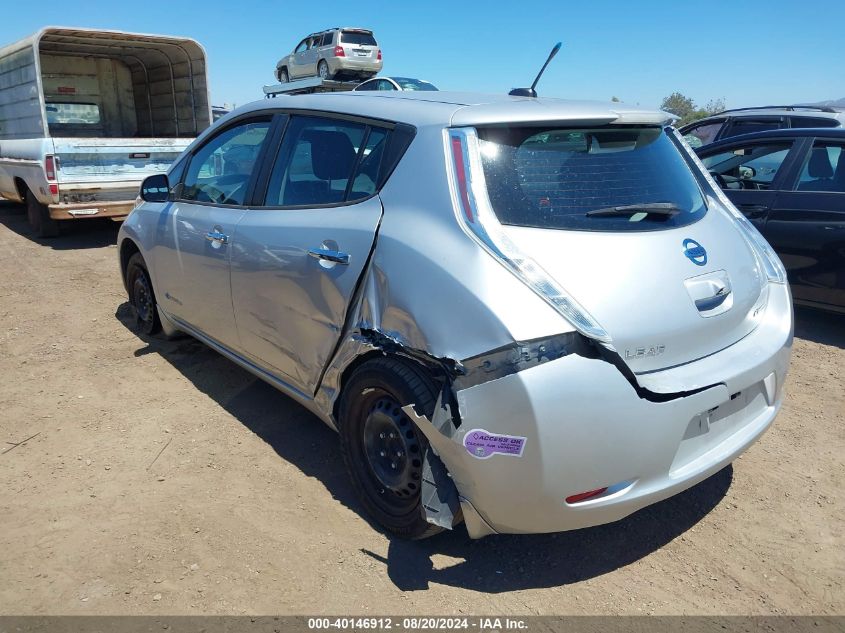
812, 121
325, 161
824, 169
357, 38
576, 178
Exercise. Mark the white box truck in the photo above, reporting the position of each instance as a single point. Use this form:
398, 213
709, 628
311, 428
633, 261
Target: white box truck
86, 115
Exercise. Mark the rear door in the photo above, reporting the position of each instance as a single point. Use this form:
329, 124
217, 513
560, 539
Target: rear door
196, 233
303, 249
750, 174
807, 225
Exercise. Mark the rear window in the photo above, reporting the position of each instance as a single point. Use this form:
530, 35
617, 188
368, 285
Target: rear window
358, 38
583, 179
73, 113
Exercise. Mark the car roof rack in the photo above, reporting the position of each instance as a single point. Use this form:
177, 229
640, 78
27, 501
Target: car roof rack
816, 108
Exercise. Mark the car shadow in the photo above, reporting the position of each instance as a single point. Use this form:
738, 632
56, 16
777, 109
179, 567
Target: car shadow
75, 234
825, 328
496, 563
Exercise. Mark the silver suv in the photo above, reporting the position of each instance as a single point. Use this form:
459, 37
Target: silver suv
336, 53
534, 314
747, 120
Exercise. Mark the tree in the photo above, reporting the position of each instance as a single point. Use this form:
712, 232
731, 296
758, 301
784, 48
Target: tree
685, 109
679, 105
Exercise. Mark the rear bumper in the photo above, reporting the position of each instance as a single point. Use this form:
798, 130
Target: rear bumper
584, 428
351, 64
81, 210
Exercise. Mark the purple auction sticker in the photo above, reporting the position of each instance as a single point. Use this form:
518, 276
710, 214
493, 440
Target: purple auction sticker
483, 444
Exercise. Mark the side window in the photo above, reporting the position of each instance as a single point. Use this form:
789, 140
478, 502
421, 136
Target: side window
385, 85
327, 38
704, 133
325, 161
303, 46
824, 169
747, 126
220, 170
174, 174
812, 121
749, 167
367, 174
367, 85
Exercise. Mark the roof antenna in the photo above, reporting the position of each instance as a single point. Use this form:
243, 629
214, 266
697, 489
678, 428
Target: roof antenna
530, 92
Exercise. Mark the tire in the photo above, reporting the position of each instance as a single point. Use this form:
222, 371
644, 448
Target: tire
141, 296
389, 486
39, 217
323, 70
282, 75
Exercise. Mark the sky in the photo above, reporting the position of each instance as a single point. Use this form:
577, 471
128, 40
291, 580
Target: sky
746, 52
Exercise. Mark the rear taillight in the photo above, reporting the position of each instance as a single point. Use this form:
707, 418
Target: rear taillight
476, 215
50, 167
339, 52
378, 57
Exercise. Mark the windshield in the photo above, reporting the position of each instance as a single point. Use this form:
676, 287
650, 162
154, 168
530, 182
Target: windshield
413, 84
359, 38
601, 179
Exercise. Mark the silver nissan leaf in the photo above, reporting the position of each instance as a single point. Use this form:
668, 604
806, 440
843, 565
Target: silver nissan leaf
529, 315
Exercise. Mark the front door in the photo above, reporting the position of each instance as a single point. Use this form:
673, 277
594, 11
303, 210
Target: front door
196, 234
302, 254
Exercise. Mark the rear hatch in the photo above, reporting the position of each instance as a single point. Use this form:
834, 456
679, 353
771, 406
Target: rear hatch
359, 44
115, 163
615, 216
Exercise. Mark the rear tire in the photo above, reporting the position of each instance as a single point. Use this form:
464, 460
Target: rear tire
323, 70
141, 296
39, 217
382, 448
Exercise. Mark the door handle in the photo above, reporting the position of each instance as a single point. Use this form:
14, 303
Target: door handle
217, 236
754, 210
329, 255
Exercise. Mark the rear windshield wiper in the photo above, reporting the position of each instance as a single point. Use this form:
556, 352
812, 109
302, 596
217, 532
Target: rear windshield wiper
652, 208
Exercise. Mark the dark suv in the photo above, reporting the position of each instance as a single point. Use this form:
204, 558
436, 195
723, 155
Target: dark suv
748, 120
791, 185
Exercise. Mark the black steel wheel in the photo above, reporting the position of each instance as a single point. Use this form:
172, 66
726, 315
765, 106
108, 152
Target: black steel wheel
141, 296
39, 217
382, 448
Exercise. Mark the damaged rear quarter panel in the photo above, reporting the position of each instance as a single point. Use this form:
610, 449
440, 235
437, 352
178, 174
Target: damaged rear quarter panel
429, 286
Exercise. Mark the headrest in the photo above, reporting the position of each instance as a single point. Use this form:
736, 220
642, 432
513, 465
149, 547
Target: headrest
332, 154
819, 165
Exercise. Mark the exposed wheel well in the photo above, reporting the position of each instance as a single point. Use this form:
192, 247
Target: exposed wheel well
22, 188
279, 72
127, 249
363, 358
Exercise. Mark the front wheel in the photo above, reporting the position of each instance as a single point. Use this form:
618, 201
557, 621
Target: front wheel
39, 217
283, 76
382, 448
141, 296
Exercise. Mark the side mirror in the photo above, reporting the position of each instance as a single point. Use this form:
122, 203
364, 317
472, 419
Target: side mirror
155, 188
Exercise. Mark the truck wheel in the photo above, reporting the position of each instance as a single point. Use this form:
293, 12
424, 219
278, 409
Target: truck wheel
141, 296
323, 70
382, 448
39, 217
282, 76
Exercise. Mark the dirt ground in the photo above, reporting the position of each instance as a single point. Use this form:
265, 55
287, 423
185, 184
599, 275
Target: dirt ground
160, 478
